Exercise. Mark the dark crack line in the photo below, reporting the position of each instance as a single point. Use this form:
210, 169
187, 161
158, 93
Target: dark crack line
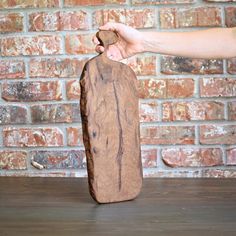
120, 148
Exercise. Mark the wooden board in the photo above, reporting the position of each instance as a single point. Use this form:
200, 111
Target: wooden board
110, 121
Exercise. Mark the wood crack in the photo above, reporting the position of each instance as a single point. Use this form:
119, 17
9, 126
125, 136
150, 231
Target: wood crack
120, 148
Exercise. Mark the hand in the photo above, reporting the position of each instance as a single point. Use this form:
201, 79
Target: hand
130, 42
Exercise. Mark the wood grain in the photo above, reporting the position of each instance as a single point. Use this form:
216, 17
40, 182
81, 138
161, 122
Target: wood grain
165, 207
110, 121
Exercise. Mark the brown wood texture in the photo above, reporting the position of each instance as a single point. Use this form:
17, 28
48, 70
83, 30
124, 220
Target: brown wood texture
110, 121
165, 207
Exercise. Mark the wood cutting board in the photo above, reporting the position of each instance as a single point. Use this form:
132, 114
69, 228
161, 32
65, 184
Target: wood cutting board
110, 121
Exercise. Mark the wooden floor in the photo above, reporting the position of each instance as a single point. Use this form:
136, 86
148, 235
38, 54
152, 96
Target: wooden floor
62, 206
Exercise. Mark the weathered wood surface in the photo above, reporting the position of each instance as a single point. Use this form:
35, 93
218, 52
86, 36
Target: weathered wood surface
110, 120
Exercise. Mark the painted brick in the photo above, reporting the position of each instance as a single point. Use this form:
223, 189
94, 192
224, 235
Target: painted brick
13, 114
148, 111
190, 17
232, 110
157, 2
231, 66
142, 65
93, 2
62, 68
218, 173
167, 135
36, 45
32, 91
12, 69
56, 113
137, 18
11, 22
166, 88
32, 137
72, 159
74, 136
230, 16
218, 134
73, 89
79, 44
149, 158
217, 87
181, 65
13, 160
28, 3
197, 110
192, 157
231, 156
59, 20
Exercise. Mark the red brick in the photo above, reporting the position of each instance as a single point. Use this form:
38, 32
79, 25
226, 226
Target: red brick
230, 16
74, 20
192, 157
73, 89
196, 110
231, 156
92, 2
217, 87
62, 68
180, 65
28, 4
166, 88
12, 69
148, 111
56, 113
11, 22
56, 21
232, 110
72, 159
142, 65
13, 160
167, 135
218, 134
190, 17
74, 136
217, 173
231, 66
137, 18
157, 2
79, 44
32, 137
13, 114
149, 158
32, 91
36, 45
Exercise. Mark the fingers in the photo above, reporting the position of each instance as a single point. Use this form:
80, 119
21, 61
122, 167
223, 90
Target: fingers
99, 49
95, 40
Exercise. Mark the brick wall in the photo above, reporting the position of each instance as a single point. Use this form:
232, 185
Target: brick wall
187, 106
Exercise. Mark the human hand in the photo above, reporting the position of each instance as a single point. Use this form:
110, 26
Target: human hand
130, 42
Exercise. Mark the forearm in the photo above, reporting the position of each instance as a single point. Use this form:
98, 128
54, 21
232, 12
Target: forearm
211, 43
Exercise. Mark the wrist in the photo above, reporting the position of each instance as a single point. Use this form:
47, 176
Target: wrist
150, 42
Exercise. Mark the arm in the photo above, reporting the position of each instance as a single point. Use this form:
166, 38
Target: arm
211, 43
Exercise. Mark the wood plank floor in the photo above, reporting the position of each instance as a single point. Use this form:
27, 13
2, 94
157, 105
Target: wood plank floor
62, 206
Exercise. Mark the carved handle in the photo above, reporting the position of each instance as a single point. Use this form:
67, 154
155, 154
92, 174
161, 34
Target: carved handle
107, 37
